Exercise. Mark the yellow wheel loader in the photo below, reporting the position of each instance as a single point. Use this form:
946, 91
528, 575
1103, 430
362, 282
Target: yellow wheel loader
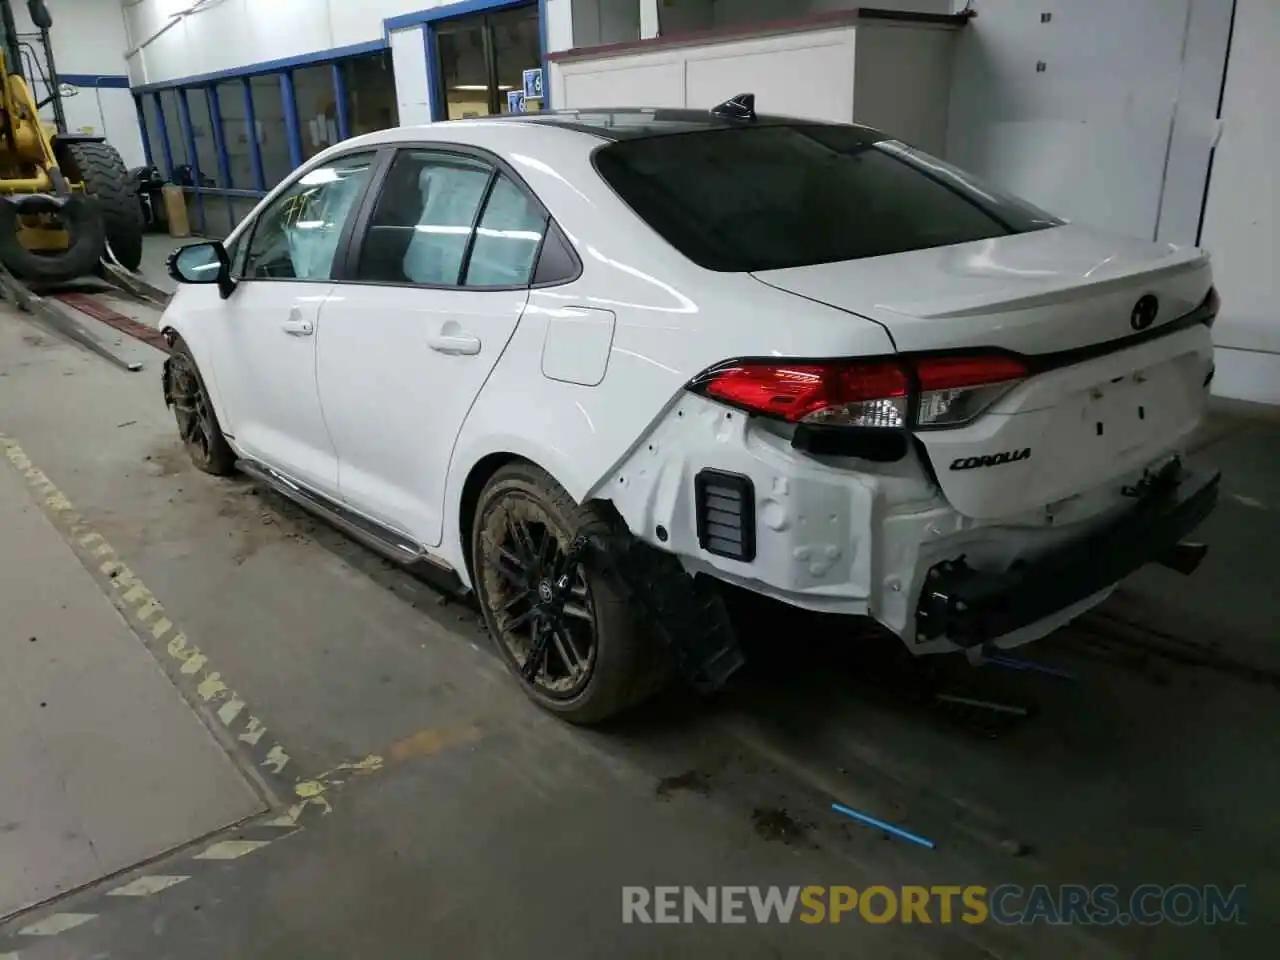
66, 200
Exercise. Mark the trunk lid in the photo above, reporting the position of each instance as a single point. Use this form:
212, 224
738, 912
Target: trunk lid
1039, 292
1076, 429
1072, 427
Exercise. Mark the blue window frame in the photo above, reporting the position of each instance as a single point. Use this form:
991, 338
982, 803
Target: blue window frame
230, 137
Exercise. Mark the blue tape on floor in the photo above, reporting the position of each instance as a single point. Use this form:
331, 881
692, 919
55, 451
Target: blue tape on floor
880, 824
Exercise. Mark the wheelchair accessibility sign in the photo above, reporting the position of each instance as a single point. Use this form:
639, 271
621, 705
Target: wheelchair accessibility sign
533, 84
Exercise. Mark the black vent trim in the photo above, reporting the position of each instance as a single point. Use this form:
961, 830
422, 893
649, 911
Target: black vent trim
726, 513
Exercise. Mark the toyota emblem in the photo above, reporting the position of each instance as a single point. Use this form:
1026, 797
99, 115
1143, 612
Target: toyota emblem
1144, 312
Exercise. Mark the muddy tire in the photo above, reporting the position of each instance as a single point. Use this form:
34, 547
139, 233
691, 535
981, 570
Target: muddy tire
576, 646
198, 426
106, 179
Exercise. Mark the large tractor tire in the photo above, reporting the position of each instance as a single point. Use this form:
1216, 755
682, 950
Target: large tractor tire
81, 218
99, 166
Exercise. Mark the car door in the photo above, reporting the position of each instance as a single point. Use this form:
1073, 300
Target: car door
267, 348
438, 276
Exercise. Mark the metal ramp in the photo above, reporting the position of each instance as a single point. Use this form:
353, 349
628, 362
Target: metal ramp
67, 309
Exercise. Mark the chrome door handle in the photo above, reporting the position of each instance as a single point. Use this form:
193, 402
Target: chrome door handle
298, 328
455, 345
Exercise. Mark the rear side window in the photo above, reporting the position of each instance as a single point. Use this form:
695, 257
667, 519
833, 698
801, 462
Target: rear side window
507, 238
422, 224
773, 196
447, 220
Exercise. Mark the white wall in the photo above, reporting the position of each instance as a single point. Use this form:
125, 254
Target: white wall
1088, 136
413, 79
226, 34
902, 79
1242, 214
1119, 129
558, 24
88, 39
88, 35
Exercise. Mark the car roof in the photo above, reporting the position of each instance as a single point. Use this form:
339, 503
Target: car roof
606, 123
629, 123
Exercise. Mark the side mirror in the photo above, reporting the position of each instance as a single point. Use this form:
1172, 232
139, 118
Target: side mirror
203, 263
39, 15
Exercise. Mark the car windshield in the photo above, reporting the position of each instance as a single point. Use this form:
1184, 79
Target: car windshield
770, 196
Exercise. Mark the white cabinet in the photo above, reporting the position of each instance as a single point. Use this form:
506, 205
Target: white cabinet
889, 74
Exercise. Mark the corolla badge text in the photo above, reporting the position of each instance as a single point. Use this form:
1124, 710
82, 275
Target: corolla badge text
990, 459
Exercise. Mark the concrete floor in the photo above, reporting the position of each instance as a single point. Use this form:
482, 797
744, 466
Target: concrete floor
484, 828
156, 248
81, 703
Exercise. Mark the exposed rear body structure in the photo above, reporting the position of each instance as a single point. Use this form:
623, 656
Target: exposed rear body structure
588, 364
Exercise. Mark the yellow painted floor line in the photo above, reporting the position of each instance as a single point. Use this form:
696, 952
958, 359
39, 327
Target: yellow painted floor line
56, 923
196, 675
147, 886
209, 689
230, 849
312, 795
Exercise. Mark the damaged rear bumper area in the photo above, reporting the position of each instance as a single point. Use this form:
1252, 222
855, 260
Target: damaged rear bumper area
971, 607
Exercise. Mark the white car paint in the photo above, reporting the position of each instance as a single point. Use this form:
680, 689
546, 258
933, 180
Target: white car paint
400, 393
263, 347
379, 368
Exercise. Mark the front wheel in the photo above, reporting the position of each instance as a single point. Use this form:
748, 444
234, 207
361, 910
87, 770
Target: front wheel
198, 424
566, 633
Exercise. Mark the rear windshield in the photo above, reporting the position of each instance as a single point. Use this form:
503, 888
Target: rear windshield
771, 196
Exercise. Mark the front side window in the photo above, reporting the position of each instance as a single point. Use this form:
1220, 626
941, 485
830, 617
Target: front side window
297, 235
771, 196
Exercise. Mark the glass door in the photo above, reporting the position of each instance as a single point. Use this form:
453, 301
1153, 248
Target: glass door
484, 57
516, 48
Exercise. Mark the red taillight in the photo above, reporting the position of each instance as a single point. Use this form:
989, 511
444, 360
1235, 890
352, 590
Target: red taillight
795, 392
948, 389
954, 372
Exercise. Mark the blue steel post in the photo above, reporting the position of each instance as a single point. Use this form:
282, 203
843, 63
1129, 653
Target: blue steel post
220, 145
291, 127
193, 157
142, 128
251, 130
164, 138
542, 55
340, 102
439, 105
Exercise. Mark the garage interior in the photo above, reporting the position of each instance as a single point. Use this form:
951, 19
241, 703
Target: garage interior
229, 732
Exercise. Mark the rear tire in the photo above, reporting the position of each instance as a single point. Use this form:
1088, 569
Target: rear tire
101, 169
198, 425
525, 519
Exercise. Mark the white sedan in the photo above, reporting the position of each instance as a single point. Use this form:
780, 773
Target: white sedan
591, 365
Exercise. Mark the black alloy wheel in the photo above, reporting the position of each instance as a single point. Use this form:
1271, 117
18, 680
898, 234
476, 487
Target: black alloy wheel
540, 599
197, 422
566, 628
